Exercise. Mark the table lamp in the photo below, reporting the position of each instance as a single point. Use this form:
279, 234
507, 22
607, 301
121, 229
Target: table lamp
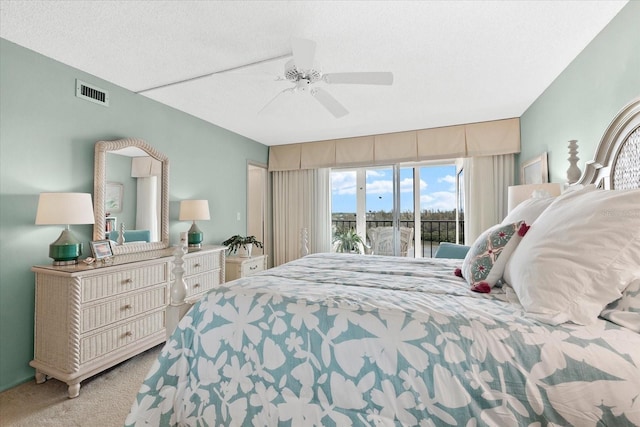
65, 209
194, 210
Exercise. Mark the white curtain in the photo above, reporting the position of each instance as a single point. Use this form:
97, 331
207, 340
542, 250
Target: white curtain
301, 199
148, 206
486, 180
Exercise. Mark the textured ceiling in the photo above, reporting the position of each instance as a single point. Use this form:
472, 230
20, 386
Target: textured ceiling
453, 61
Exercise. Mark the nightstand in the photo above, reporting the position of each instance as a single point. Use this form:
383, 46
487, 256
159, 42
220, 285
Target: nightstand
237, 267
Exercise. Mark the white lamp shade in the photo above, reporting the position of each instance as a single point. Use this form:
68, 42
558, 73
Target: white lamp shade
64, 209
193, 210
519, 193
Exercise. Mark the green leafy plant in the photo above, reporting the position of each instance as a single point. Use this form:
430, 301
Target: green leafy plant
347, 240
235, 242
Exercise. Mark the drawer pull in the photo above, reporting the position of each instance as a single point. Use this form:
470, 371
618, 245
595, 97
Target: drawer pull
127, 307
127, 281
196, 286
253, 268
197, 264
128, 334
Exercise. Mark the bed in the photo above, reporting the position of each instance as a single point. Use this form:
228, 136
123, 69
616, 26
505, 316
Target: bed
340, 339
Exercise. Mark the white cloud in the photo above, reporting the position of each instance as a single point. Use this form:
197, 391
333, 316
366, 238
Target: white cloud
439, 200
380, 187
449, 179
375, 173
343, 183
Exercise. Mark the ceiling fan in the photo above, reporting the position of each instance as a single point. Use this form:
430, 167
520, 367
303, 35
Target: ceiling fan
304, 73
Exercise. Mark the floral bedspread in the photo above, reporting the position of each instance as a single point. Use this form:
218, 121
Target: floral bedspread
340, 340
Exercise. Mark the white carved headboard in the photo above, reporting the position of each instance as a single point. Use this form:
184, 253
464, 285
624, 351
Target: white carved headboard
616, 164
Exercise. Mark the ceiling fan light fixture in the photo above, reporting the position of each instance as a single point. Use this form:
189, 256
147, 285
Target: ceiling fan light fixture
303, 72
293, 74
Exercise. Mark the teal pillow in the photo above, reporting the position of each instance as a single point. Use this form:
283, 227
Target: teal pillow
451, 250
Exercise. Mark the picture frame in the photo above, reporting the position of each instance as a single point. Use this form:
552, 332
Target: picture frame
535, 171
101, 249
113, 197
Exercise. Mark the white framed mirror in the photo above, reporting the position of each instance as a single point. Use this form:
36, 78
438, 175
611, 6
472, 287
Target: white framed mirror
131, 187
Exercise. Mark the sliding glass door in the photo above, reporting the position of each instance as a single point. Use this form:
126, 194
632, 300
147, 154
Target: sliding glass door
398, 210
367, 201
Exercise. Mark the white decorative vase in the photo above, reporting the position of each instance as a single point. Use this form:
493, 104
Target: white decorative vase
245, 251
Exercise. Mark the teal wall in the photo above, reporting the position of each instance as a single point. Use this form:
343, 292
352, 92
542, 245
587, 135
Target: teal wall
47, 138
586, 96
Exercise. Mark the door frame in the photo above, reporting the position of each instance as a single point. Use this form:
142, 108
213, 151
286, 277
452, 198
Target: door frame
267, 227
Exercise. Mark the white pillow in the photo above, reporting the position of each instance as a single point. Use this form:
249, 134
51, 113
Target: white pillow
529, 210
578, 256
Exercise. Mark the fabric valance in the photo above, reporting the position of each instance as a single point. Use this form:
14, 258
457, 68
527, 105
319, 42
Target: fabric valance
450, 142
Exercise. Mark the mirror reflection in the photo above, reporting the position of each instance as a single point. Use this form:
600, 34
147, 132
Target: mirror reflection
131, 196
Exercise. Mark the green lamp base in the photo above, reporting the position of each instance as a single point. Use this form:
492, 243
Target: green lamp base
66, 249
195, 236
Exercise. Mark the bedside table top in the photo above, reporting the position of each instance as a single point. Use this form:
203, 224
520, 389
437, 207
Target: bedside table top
239, 260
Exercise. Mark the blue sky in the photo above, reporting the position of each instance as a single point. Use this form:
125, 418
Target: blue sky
437, 189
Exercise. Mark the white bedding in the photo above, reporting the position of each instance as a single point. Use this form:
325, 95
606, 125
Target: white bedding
336, 339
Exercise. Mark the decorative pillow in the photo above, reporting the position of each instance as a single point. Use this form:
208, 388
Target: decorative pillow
626, 310
451, 250
529, 210
484, 263
579, 256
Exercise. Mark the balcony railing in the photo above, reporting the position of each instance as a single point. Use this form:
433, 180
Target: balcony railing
432, 231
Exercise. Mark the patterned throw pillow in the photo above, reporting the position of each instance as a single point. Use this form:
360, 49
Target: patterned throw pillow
626, 310
484, 264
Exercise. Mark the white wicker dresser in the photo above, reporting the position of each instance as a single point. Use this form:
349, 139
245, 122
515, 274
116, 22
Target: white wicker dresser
91, 317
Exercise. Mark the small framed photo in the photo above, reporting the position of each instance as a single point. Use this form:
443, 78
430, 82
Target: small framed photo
110, 223
535, 171
113, 197
101, 249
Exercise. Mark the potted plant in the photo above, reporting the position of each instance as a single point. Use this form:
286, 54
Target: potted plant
348, 241
243, 245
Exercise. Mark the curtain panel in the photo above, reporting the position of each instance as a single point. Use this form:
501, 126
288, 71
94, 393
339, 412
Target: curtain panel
486, 182
469, 140
301, 199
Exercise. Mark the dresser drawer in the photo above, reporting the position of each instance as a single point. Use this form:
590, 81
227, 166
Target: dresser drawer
201, 283
118, 282
196, 264
115, 338
115, 310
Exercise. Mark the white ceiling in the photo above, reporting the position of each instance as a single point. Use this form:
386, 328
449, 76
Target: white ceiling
453, 61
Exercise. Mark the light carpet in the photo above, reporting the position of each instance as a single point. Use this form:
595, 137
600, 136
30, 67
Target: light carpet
105, 399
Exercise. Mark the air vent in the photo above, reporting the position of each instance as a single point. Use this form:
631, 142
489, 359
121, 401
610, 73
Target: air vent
92, 93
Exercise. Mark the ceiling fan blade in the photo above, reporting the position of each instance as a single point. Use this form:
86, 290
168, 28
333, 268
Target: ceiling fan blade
278, 95
359, 78
304, 51
329, 102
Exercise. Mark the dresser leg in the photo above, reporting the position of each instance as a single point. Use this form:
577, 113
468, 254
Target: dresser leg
40, 377
74, 390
